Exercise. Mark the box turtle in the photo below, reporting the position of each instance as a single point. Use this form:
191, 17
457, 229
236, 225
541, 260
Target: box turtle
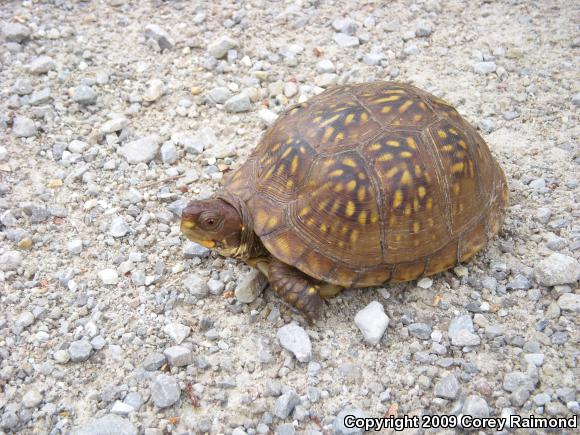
359, 186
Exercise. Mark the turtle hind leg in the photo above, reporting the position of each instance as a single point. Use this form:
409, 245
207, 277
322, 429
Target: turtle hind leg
298, 289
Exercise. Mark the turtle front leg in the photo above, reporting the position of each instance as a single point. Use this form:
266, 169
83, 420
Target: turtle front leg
298, 289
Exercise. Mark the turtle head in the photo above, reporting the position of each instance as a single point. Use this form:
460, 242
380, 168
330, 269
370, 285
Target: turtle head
213, 223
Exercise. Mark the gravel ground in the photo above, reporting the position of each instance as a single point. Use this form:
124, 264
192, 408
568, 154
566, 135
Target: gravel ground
114, 113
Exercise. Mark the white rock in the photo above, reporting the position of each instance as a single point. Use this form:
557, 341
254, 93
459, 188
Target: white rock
220, 48
325, 66
238, 103
119, 227
164, 41
109, 276
178, 356
372, 322
425, 283
142, 150
31, 398
465, 338
557, 269
114, 125
75, 246
267, 116
121, 408
484, 67
294, 338
154, 90
345, 41
250, 287
26, 318
78, 146
23, 127
41, 65
569, 302
177, 332
10, 260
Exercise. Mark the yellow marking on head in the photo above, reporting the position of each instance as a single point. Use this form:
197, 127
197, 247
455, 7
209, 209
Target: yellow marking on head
462, 144
187, 224
351, 185
304, 211
349, 162
447, 148
329, 120
386, 99
403, 108
294, 165
393, 143
286, 153
339, 137
406, 177
374, 217
327, 133
207, 243
397, 198
364, 117
429, 204
385, 157
406, 154
421, 191
416, 227
386, 109
362, 217
456, 188
457, 167
441, 134
311, 291
349, 118
361, 194
354, 236
350, 208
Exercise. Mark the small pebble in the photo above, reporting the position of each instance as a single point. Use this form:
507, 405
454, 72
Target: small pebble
372, 322
294, 338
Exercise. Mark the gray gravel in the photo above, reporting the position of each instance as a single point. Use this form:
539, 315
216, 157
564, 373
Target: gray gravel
115, 113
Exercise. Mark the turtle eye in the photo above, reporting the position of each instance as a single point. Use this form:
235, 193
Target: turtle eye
209, 221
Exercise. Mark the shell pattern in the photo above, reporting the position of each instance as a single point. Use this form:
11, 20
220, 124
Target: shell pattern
370, 183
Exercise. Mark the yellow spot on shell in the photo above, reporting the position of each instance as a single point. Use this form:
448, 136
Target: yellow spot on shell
272, 221
406, 154
302, 150
417, 118
361, 176
386, 99
261, 218
405, 106
453, 131
418, 171
339, 187
430, 222
335, 206
411, 142
392, 172
422, 106
375, 147
416, 204
289, 141
336, 173
385, 157
276, 147
349, 162
457, 167
339, 137
280, 170
398, 198
289, 184
286, 153
447, 148
351, 185
362, 217
406, 177
374, 217
354, 236
361, 194
329, 120
327, 133
462, 144
322, 204
304, 211
323, 228
407, 210
429, 204
349, 118
393, 143
456, 188
421, 191
386, 109
416, 227
364, 117
269, 173
441, 134
350, 208
311, 291
461, 207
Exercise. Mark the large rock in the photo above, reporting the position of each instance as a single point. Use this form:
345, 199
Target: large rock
294, 338
557, 269
165, 391
372, 322
141, 150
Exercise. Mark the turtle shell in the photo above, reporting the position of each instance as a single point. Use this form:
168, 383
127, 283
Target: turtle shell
369, 183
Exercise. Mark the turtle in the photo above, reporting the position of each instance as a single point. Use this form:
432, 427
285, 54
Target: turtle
359, 186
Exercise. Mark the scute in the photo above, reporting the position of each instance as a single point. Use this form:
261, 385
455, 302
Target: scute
356, 187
